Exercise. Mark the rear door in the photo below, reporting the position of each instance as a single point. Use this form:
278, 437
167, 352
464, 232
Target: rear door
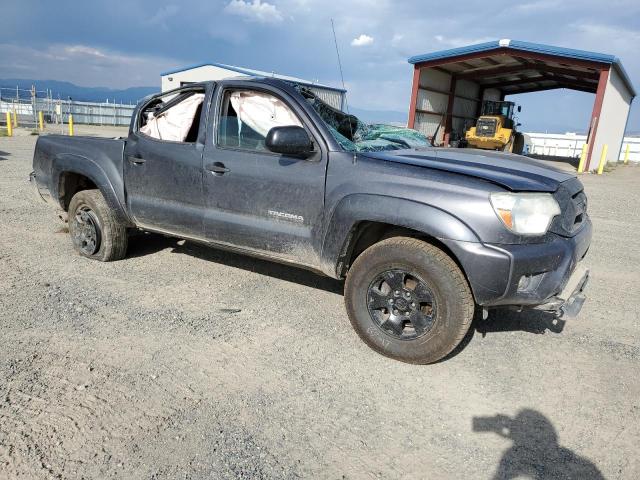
255, 199
163, 163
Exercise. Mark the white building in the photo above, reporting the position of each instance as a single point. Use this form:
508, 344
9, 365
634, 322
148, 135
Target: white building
569, 145
218, 71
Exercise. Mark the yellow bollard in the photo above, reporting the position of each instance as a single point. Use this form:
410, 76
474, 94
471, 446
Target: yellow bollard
626, 155
41, 120
71, 125
583, 157
9, 125
15, 119
603, 159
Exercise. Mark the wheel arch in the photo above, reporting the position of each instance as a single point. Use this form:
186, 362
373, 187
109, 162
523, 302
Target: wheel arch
361, 220
367, 234
73, 173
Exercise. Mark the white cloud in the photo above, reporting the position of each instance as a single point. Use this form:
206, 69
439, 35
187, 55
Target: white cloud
255, 11
461, 41
83, 50
539, 5
83, 65
606, 38
600, 32
397, 40
362, 41
162, 15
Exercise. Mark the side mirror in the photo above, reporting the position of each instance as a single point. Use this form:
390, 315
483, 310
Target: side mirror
519, 108
518, 124
289, 140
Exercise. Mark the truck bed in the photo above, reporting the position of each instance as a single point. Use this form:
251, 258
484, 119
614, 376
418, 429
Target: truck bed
100, 158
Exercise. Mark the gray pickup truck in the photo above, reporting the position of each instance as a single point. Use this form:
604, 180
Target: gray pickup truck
423, 236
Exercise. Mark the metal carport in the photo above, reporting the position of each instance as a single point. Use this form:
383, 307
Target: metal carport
450, 85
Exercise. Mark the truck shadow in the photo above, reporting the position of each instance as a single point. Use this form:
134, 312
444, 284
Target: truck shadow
530, 321
505, 320
499, 320
535, 452
146, 244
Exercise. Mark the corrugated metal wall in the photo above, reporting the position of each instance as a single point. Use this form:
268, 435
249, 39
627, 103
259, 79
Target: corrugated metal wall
465, 105
431, 104
332, 97
433, 99
615, 109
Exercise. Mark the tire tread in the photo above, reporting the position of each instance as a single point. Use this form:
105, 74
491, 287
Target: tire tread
114, 233
437, 255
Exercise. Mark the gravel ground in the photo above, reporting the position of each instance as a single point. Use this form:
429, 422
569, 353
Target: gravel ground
187, 362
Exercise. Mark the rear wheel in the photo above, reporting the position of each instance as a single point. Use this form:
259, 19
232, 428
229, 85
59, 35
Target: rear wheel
94, 228
408, 300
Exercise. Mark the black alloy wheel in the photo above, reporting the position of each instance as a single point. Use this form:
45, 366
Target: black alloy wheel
401, 304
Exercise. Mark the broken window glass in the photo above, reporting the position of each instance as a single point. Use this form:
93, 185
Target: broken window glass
353, 135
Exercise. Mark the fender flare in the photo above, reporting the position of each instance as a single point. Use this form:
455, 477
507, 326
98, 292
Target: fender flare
357, 208
81, 165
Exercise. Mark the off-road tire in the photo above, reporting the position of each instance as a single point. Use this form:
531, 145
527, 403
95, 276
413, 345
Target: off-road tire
450, 290
112, 234
509, 145
518, 143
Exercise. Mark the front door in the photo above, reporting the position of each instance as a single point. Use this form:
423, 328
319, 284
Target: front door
163, 164
254, 198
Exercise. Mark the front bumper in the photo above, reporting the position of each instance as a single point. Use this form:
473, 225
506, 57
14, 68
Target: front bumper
569, 302
529, 275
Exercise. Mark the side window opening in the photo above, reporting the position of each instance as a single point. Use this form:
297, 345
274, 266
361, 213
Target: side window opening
247, 116
174, 117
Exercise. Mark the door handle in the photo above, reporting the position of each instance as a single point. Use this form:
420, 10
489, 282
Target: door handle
135, 159
217, 168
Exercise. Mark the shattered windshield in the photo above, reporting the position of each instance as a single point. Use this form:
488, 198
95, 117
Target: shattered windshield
354, 135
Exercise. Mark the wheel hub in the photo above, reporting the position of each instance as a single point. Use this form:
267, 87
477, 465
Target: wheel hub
86, 231
401, 304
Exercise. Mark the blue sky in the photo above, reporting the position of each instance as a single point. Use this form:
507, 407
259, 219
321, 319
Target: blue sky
123, 44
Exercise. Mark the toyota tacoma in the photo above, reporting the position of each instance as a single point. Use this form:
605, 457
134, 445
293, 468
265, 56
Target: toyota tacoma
423, 236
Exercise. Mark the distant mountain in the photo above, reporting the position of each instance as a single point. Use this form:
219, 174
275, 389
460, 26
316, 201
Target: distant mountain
64, 90
380, 116
83, 94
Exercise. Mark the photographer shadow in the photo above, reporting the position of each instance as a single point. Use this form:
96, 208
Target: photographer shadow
535, 452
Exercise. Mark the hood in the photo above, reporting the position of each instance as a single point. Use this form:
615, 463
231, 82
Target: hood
510, 171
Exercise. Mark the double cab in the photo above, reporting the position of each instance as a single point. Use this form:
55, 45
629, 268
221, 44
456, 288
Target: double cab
423, 236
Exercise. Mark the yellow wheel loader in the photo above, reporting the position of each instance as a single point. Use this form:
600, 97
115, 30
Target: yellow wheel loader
496, 129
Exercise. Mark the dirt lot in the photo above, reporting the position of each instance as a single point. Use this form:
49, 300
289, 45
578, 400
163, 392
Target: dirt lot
187, 362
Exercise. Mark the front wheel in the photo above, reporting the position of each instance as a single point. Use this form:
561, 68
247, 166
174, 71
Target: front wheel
408, 300
95, 230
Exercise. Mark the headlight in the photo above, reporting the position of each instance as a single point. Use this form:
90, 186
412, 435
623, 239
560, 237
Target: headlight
525, 213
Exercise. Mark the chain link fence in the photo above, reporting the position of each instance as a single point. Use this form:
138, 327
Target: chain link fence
27, 103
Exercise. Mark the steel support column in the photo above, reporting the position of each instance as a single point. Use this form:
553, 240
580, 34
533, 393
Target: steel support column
414, 97
595, 115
